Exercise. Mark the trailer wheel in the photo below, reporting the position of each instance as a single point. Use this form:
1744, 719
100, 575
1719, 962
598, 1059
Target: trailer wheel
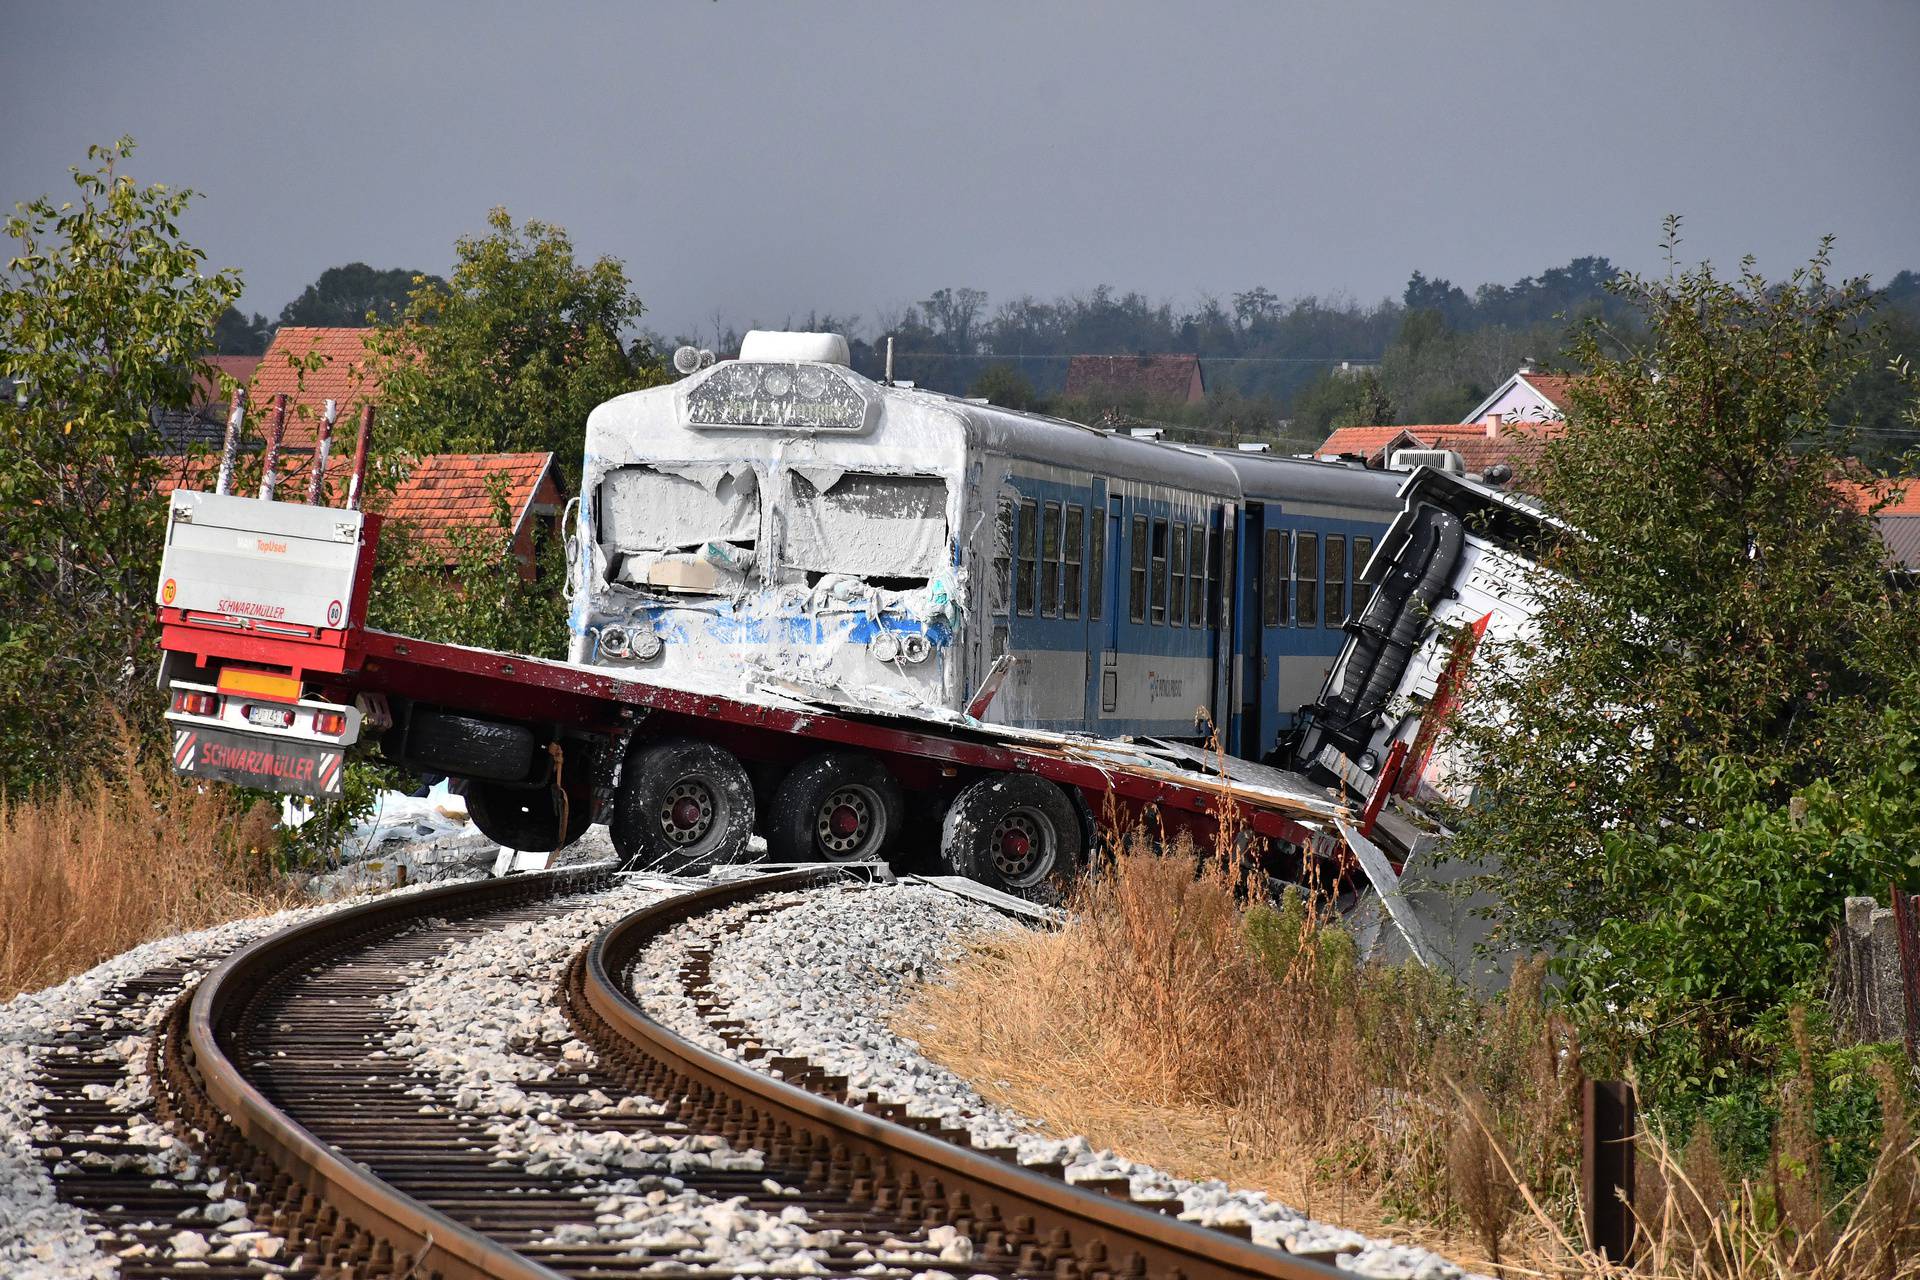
1014, 832
839, 806
526, 817
683, 805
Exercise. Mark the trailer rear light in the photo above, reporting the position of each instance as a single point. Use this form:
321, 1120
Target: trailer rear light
196, 704
268, 717
331, 723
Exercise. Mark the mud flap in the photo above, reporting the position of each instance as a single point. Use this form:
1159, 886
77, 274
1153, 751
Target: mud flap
292, 765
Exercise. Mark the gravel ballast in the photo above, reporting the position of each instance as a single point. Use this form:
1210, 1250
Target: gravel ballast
471, 1025
819, 974
40, 1236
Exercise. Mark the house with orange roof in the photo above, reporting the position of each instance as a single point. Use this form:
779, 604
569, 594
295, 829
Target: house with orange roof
342, 370
437, 496
1898, 518
1483, 447
1527, 397
1169, 379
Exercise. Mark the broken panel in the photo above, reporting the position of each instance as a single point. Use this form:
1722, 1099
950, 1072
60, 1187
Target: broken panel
867, 524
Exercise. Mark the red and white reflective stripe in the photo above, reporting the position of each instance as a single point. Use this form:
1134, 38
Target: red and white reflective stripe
330, 771
183, 744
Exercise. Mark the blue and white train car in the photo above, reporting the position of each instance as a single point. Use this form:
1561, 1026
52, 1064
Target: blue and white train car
1307, 531
780, 519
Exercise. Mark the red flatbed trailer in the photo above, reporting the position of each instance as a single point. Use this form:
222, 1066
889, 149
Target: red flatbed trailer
263, 605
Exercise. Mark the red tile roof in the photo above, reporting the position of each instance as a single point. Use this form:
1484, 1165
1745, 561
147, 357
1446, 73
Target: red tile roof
1163, 377
207, 388
1517, 444
343, 376
1556, 387
443, 491
1860, 496
1361, 442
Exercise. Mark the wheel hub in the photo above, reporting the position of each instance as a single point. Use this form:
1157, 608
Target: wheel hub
846, 821
1022, 847
687, 814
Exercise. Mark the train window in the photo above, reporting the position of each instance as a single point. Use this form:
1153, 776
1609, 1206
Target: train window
889, 529
1306, 572
1197, 578
1097, 566
1029, 547
1273, 581
1336, 579
1070, 561
1177, 592
1137, 583
1362, 556
1002, 585
1159, 584
650, 512
1050, 560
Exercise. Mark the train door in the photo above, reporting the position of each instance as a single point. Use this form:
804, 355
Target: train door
1103, 610
1219, 617
1248, 635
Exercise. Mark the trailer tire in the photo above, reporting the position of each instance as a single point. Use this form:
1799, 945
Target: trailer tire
683, 805
468, 747
839, 806
1014, 832
526, 817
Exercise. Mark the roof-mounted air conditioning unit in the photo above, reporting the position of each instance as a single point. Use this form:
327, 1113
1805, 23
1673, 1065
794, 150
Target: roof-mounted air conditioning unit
1439, 459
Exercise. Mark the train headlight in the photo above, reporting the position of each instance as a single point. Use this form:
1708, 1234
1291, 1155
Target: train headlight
915, 647
644, 642
613, 641
885, 647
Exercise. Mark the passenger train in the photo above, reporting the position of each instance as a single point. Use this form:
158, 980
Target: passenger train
781, 519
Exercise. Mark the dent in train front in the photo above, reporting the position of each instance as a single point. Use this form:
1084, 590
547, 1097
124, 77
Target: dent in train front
815, 573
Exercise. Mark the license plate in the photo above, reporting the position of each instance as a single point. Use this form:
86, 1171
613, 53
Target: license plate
270, 717
255, 760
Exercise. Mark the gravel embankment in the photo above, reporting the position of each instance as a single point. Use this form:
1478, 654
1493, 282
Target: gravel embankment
474, 1024
820, 977
40, 1236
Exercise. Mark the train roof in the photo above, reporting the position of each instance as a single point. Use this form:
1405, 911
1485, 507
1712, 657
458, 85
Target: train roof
1265, 476
895, 413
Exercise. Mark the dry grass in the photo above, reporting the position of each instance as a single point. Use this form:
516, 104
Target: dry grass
87, 872
1174, 1025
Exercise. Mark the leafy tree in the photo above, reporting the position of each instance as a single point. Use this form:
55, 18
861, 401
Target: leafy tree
1341, 398
104, 311
354, 296
238, 334
1005, 386
513, 351
467, 585
1676, 773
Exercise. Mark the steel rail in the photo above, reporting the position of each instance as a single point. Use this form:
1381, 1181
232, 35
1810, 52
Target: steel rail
1051, 1223
418, 1237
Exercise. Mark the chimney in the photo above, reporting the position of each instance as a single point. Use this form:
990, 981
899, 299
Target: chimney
1493, 426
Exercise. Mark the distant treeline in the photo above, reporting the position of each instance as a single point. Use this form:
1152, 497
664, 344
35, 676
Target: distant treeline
1273, 366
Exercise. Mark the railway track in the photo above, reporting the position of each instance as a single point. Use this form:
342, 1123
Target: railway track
280, 1066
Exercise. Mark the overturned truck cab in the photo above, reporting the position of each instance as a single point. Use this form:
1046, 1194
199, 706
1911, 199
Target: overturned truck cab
1454, 572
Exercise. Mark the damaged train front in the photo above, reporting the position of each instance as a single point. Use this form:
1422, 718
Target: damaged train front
776, 519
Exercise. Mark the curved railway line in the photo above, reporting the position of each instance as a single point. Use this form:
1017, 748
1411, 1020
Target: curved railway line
274, 1067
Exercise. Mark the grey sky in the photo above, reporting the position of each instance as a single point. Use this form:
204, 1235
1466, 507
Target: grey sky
761, 160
